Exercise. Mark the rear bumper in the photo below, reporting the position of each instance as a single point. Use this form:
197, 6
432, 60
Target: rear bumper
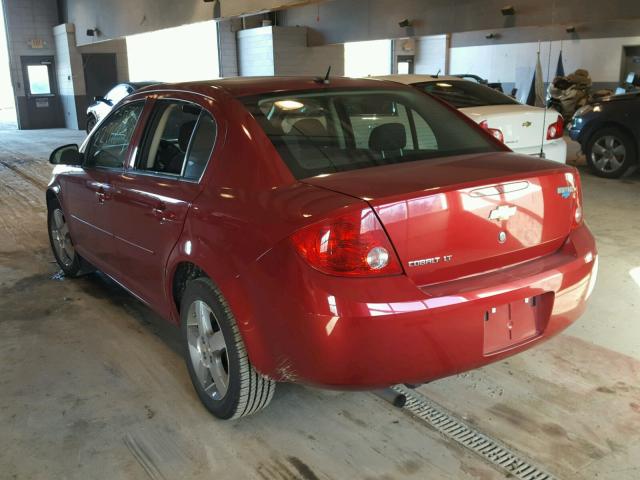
555, 150
363, 333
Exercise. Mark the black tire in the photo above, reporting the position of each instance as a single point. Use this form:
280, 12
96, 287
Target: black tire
72, 267
600, 149
248, 391
91, 122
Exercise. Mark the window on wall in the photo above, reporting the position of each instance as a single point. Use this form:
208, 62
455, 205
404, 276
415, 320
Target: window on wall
362, 59
39, 79
185, 53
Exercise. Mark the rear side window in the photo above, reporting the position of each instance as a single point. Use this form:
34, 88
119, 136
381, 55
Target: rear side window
168, 137
178, 141
201, 147
110, 143
328, 131
461, 93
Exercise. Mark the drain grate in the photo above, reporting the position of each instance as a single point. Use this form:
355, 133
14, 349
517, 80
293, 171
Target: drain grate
491, 450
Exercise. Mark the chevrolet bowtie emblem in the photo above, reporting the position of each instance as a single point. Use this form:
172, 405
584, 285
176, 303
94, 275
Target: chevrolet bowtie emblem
503, 212
526, 124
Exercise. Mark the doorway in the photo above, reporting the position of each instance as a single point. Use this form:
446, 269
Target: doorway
404, 64
630, 62
100, 73
42, 103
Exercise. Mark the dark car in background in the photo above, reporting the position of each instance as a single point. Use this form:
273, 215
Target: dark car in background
609, 133
101, 106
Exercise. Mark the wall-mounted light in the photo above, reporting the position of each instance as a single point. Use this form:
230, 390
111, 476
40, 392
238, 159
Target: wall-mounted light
508, 10
93, 32
404, 23
570, 29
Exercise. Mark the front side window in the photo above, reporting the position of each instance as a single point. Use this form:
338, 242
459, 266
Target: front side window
330, 131
110, 142
463, 93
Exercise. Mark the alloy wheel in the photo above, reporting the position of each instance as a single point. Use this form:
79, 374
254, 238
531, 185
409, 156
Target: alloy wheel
608, 154
207, 350
61, 239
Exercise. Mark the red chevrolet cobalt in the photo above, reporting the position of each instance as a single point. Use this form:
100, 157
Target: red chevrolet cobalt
350, 234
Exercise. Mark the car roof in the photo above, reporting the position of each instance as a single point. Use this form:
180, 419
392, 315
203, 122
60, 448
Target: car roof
409, 79
245, 86
139, 85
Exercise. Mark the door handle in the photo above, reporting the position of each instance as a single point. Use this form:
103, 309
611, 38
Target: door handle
159, 211
102, 195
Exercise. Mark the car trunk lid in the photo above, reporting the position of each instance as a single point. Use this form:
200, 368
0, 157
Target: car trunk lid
459, 216
522, 126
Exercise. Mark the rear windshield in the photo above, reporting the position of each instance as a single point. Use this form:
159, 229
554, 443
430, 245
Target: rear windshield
462, 93
329, 131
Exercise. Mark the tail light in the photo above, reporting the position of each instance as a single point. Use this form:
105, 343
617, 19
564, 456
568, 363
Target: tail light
556, 130
497, 133
351, 245
578, 214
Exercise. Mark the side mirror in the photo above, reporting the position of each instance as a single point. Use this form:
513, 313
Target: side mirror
66, 155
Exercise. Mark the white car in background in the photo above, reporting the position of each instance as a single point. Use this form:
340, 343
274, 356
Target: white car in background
522, 128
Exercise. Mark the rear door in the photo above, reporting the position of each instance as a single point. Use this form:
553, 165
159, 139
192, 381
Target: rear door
152, 198
89, 190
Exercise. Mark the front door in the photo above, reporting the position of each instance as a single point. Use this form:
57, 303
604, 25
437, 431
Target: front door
153, 197
40, 107
89, 191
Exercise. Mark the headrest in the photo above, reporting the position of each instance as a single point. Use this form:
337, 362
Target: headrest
309, 127
388, 137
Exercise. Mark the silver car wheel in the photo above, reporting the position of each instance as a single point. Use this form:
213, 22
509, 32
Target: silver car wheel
61, 239
608, 154
207, 350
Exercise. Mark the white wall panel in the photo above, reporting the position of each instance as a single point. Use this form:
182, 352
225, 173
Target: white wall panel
431, 54
255, 52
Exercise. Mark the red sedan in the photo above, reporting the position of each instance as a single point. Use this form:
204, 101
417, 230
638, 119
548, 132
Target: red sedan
346, 234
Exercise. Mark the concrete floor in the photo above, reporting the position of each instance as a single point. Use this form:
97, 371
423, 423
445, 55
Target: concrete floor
92, 384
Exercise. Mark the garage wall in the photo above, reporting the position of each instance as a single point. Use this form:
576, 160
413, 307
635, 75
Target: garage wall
431, 54
292, 56
26, 21
358, 20
119, 18
70, 72
117, 46
227, 49
514, 64
284, 51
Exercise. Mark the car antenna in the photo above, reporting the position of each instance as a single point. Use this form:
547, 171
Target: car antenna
438, 73
324, 80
